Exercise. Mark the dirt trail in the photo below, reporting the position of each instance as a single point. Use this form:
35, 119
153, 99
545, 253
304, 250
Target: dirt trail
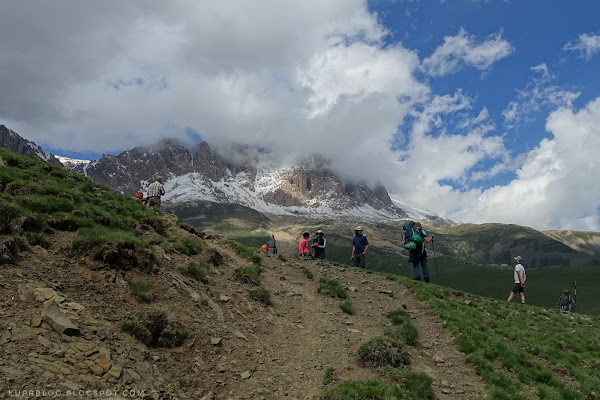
237, 348
309, 332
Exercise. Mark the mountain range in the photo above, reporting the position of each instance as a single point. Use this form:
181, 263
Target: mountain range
198, 173
309, 194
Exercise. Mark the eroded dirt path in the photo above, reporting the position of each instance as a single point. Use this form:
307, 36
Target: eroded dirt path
309, 333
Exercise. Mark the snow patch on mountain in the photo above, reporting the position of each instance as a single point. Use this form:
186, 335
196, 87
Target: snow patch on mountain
241, 189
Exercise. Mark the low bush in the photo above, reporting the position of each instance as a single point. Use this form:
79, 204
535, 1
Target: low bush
141, 290
308, 273
154, 330
374, 389
248, 275
403, 330
243, 250
383, 351
198, 271
37, 239
348, 307
333, 288
261, 295
416, 383
189, 247
329, 376
100, 235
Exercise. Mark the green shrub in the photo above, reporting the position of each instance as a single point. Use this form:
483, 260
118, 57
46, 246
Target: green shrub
99, 235
256, 259
333, 288
261, 295
38, 239
404, 330
383, 351
157, 223
198, 271
140, 286
329, 376
155, 330
416, 383
348, 307
243, 250
248, 275
141, 290
308, 273
189, 247
8, 211
374, 389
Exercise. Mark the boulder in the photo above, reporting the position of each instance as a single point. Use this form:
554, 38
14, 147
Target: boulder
57, 320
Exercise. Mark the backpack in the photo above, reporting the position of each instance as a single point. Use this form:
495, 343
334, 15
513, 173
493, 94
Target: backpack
410, 229
566, 302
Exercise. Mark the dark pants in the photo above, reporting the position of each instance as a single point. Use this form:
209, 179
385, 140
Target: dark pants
359, 260
320, 255
417, 274
154, 202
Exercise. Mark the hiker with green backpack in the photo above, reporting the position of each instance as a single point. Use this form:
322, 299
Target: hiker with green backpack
415, 238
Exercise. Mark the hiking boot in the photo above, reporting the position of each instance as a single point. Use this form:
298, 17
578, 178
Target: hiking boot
427, 280
418, 278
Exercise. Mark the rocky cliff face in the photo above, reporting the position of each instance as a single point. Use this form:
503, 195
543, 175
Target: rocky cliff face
199, 173
12, 141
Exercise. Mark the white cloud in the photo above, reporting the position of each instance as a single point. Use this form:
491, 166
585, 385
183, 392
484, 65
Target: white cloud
297, 77
538, 93
554, 187
586, 45
463, 49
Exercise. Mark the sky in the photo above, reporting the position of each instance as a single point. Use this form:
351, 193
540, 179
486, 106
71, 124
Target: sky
481, 111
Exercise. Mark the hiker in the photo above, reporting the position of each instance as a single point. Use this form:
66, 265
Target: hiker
303, 245
155, 191
565, 302
319, 245
418, 255
272, 245
360, 245
520, 278
140, 196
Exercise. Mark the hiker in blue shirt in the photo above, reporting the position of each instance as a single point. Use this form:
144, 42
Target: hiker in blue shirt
360, 245
420, 256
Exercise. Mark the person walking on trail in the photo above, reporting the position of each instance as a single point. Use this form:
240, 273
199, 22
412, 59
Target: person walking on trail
520, 278
272, 245
419, 255
303, 246
155, 191
360, 245
319, 245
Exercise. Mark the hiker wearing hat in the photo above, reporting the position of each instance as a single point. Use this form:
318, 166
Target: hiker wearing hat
319, 245
303, 246
520, 278
360, 245
155, 190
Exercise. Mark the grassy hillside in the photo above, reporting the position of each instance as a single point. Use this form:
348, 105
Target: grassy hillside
161, 311
497, 243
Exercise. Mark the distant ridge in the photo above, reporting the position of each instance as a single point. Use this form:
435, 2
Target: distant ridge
10, 140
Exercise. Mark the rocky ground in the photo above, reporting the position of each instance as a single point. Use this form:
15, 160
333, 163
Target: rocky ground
61, 316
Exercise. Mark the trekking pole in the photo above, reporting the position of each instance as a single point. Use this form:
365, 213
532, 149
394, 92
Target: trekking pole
575, 285
434, 259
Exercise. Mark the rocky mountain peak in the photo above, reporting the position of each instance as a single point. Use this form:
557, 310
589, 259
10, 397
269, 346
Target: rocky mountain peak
12, 141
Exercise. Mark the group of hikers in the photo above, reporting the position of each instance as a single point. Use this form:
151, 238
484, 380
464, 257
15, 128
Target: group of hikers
155, 191
414, 240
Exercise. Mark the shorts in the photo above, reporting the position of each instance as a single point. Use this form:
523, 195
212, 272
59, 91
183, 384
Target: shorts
518, 288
